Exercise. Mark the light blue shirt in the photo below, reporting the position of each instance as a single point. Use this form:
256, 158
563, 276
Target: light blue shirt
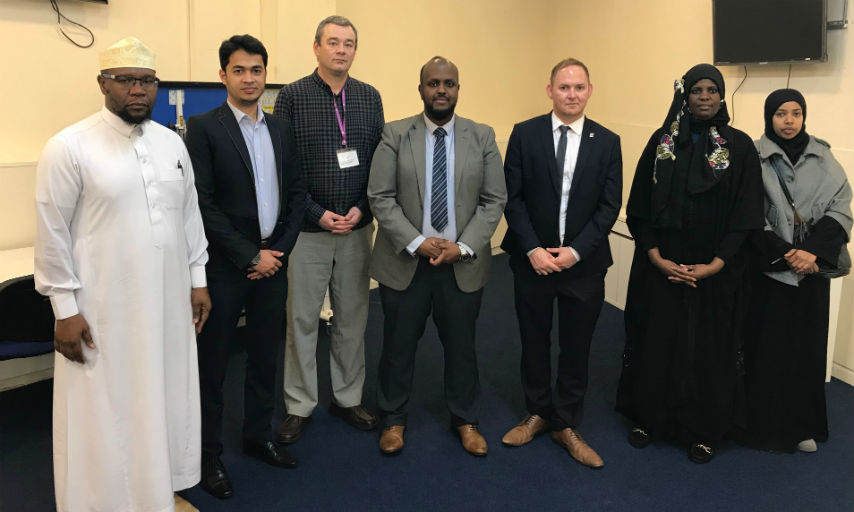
256, 134
427, 229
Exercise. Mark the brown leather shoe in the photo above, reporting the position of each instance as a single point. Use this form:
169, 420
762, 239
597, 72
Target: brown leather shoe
391, 440
473, 442
576, 446
524, 432
357, 416
182, 505
290, 429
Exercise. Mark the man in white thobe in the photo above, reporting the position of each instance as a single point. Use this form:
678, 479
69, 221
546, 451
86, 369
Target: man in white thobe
121, 252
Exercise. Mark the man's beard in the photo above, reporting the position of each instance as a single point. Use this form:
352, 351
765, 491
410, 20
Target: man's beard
134, 119
446, 113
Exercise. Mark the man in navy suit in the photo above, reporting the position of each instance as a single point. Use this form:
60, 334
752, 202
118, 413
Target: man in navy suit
564, 188
252, 200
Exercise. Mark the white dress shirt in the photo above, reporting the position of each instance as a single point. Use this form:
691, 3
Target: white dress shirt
573, 142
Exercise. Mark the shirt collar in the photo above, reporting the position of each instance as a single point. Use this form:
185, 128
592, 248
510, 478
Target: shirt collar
120, 125
239, 114
320, 82
431, 126
576, 126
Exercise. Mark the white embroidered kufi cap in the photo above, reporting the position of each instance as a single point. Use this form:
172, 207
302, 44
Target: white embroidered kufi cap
130, 52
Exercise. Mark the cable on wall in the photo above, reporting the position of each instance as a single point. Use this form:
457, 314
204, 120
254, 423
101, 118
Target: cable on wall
789, 76
60, 17
735, 91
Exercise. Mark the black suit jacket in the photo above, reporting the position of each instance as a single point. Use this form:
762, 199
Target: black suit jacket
534, 187
226, 188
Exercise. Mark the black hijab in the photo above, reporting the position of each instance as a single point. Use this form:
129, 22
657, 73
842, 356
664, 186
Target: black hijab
680, 102
795, 146
681, 167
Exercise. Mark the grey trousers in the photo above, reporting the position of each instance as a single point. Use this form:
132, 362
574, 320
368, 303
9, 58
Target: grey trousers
339, 262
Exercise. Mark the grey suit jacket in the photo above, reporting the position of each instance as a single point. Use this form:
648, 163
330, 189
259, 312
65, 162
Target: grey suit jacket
396, 194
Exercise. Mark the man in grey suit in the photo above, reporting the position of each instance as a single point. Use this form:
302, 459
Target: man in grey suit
437, 191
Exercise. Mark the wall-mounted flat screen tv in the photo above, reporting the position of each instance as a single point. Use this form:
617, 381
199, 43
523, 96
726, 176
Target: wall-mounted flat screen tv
760, 31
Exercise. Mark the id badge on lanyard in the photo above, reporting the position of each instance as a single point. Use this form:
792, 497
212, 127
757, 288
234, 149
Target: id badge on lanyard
347, 157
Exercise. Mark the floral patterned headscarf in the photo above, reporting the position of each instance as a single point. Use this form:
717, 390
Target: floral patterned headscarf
673, 159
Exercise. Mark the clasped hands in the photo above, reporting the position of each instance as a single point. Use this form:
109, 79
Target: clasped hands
268, 266
688, 275
552, 259
439, 251
340, 224
801, 262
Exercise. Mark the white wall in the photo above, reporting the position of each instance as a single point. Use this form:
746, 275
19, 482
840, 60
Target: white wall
504, 48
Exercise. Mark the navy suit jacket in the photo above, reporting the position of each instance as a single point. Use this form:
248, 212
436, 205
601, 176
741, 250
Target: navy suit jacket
534, 189
226, 187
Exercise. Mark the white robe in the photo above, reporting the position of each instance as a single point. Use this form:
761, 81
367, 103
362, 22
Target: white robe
120, 240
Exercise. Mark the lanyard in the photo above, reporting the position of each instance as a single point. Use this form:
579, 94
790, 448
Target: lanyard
342, 124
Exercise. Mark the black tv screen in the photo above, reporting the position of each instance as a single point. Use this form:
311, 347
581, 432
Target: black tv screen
758, 31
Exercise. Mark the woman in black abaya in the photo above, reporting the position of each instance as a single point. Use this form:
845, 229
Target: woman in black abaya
786, 354
696, 196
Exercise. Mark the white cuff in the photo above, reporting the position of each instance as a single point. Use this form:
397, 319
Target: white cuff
198, 278
415, 244
467, 248
64, 305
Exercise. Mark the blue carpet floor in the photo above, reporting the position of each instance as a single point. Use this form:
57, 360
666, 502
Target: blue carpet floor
342, 469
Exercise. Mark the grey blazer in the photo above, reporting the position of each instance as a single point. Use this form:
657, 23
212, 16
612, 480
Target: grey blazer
396, 194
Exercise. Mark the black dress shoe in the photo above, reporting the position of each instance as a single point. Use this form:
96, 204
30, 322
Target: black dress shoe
214, 478
700, 453
271, 453
290, 429
639, 438
357, 416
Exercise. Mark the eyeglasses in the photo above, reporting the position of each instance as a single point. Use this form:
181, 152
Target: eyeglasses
127, 81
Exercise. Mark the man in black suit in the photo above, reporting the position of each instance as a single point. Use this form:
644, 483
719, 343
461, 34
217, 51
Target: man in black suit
564, 188
252, 200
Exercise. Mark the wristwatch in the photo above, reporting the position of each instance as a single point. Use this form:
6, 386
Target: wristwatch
465, 256
256, 260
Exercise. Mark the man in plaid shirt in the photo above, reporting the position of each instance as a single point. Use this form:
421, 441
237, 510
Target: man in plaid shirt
337, 121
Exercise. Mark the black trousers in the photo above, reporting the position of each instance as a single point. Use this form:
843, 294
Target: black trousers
579, 302
264, 301
433, 289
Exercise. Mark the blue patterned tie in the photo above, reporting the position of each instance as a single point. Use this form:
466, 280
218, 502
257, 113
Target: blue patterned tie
439, 195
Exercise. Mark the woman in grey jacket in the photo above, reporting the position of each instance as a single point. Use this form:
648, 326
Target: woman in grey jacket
807, 226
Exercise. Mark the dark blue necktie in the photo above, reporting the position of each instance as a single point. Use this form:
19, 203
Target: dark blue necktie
439, 193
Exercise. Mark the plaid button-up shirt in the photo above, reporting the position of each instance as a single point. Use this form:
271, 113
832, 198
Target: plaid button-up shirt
307, 105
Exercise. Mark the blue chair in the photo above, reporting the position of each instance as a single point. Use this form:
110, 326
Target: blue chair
26, 320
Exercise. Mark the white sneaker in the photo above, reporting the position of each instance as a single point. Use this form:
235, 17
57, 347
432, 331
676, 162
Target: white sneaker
807, 445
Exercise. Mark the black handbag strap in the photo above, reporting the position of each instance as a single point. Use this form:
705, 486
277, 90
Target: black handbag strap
775, 163
802, 229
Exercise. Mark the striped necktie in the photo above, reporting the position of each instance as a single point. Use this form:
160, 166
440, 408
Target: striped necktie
439, 194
